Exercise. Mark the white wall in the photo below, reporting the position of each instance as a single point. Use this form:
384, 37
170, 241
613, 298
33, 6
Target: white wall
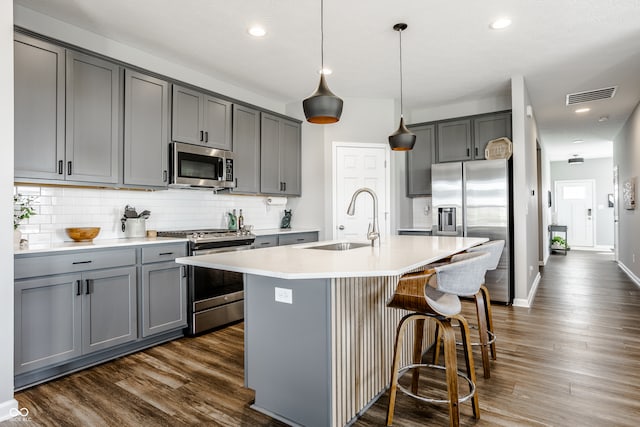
65, 32
6, 190
525, 198
460, 109
600, 170
545, 187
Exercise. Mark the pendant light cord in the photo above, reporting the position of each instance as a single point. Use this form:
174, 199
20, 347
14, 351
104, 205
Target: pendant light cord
322, 36
401, 100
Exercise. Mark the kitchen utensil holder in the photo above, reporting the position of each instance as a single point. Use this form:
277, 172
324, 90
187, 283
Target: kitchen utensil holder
135, 227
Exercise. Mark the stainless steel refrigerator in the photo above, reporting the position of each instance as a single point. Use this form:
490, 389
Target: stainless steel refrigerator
473, 199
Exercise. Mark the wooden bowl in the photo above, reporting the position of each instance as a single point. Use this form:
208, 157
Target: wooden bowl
82, 234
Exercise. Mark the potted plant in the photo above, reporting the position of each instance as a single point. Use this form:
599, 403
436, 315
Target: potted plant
558, 243
22, 209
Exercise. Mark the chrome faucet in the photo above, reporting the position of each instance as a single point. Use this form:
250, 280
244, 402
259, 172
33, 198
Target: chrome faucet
373, 233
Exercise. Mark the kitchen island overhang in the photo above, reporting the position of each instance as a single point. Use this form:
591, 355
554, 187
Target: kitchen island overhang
318, 334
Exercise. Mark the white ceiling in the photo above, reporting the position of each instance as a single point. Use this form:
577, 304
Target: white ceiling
449, 53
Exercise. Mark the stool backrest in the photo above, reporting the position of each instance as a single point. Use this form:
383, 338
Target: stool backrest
494, 248
463, 275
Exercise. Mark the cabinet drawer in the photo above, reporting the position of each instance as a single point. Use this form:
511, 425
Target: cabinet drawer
168, 252
70, 263
266, 241
294, 238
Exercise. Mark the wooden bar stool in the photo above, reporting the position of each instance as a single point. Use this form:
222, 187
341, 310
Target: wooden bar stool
484, 315
433, 294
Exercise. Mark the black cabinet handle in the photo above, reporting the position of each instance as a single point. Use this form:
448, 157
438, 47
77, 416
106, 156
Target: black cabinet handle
78, 287
165, 253
476, 151
264, 243
236, 182
60, 167
300, 239
89, 286
164, 176
284, 186
81, 262
201, 135
183, 269
68, 168
467, 152
206, 136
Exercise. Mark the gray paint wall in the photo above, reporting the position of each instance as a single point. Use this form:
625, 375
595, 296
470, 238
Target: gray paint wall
626, 154
600, 170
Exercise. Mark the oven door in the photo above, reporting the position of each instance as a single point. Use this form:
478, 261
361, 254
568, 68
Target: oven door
211, 287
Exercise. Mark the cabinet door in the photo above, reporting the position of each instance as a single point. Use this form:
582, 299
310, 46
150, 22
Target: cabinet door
39, 80
246, 149
47, 321
146, 124
419, 161
187, 116
270, 182
454, 141
290, 151
92, 141
487, 128
164, 298
109, 312
216, 123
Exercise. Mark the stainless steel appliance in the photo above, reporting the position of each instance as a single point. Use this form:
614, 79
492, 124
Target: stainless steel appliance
193, 166
474, 199
215, 297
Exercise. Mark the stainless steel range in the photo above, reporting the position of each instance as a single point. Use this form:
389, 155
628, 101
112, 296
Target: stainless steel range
215, 297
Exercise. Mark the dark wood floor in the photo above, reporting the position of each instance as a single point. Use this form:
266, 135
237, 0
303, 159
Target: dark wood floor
572, 359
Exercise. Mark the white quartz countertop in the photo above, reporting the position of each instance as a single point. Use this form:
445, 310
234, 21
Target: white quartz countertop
395, 256
98, 244
272, 231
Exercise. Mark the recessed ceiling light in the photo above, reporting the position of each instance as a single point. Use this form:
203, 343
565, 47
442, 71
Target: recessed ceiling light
578, 141
583, 110
326, 71
603, 118
257, 31
500, 23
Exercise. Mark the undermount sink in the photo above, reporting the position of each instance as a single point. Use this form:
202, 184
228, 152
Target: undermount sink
340, 246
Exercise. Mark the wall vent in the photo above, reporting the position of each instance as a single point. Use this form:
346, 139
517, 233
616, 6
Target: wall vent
591, 95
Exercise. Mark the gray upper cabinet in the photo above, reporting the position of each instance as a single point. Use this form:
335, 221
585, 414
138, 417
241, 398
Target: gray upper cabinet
246, 149
92, 119
419, 161
454, 141
146, 127
280, 156
489, 127
109, 312
201, 119
39, 81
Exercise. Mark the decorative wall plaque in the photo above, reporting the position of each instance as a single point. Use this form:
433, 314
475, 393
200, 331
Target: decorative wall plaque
629, 193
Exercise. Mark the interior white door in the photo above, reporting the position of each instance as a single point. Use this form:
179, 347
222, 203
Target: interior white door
574, 201
356, 166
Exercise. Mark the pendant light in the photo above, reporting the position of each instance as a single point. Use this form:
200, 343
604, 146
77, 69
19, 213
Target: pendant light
402, 139
322, 107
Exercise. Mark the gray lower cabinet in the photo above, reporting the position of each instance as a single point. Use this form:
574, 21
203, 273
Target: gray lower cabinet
92, 119
163, 289
64, 316
285, 239
486, 128
454, 141
201, 119
280, 153
146, 130
246, 149
39, 81
419, 161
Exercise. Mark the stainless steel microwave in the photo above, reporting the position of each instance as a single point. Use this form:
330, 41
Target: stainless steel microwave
193, 166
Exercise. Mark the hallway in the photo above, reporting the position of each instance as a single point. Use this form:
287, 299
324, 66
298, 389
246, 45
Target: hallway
572, 359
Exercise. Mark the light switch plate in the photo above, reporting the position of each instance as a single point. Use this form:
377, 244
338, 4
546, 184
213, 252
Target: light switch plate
284, 295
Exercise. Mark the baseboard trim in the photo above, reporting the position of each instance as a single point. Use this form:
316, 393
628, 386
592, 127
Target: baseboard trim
526, 303
8, 409
635, 279
597, 248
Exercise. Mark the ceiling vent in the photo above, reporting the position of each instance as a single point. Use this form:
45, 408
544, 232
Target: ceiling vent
591, 95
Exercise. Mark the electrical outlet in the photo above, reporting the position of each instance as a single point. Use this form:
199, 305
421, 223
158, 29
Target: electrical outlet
284, 295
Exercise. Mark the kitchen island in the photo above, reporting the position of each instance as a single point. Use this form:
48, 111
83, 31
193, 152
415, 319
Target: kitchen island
318, 335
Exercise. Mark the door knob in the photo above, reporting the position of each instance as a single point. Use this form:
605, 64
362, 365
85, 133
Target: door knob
341, 227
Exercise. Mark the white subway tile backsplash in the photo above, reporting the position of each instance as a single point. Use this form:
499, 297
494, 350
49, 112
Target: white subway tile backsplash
59, 207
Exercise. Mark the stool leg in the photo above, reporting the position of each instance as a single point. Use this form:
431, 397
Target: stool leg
451, 368
417, 353
468, 358
482, 331
489, 316
393, 389
436, 348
